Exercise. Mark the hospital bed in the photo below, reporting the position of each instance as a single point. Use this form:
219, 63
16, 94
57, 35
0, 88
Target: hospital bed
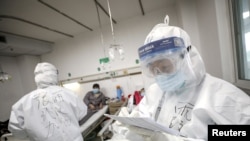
110, 121
93, 122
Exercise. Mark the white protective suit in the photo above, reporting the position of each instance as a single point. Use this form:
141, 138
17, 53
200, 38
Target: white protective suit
189, 110
49, 113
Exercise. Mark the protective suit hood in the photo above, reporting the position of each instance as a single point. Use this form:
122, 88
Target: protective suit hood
49, 113
164, 31
45, 75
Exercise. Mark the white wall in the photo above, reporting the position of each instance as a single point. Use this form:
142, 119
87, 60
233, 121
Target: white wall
26, 65
21, 82
187, 13
209, 38
225, 40
10, 90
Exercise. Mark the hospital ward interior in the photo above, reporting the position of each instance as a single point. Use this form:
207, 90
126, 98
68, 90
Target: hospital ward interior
96, 50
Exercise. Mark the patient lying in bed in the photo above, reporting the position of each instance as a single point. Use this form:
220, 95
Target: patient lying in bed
95, 100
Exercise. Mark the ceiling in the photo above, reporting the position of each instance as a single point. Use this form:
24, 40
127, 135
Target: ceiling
52, 20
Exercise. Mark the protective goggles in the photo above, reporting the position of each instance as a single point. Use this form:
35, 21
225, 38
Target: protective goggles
163, 56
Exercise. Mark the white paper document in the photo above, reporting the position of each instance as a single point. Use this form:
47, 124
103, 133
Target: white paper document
142, 122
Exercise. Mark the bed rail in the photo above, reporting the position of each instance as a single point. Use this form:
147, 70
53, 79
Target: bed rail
101, 132
5, 136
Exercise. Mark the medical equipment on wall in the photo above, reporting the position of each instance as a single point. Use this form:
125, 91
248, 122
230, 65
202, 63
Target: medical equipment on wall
114, 49
4, 76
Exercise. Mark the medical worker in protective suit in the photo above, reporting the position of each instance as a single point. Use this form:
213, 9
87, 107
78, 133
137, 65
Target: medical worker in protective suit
184, 98
49, 113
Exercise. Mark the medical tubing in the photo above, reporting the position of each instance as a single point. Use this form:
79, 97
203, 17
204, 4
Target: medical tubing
111, 22
158, 110
100, 25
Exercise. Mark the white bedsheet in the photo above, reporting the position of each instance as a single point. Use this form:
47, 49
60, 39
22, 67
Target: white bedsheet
93, 118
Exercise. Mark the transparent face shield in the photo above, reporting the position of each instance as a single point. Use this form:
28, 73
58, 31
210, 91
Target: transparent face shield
166, 58
162, 56
165, 64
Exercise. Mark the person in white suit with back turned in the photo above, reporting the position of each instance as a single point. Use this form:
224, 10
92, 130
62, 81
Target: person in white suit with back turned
49, 113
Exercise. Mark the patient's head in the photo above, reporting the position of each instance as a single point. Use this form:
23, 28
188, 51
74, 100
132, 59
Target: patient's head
96, 88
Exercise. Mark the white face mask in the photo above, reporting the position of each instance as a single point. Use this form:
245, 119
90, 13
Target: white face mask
95, 90
171, 82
